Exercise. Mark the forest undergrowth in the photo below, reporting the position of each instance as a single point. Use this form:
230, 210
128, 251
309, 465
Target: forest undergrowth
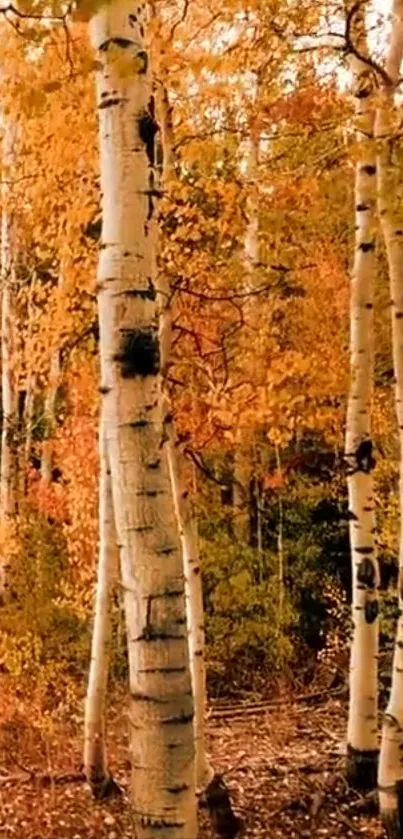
283, 760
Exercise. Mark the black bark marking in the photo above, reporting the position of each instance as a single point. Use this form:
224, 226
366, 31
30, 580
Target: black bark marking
160, 824
366, 247
151, 633
143, 697
366, 573
160, 156
123, 43
362, 768
148, 293
141, 423
154, 464
150, 493
371, 611
142, 55
139, 353
108, 103
162, 670
103, 788
368, 170
152, 193
178, 789
148, 128
132, 20
362, 208
363, 93
364, 551
393, 819
365, 462
168, 592
399, 315
179, 719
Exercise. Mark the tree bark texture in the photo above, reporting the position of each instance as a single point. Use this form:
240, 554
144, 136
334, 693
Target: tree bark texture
161, 704
362, 720
390, 195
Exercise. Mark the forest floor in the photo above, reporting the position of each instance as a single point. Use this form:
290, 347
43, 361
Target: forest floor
283, 763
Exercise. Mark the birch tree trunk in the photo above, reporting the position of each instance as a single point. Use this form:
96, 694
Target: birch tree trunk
390, 195
8, 467
211, 786
49, 412
186, 523
161, 705
167, 133
49, 416
243, 455
95, 762
362, 743
194, 612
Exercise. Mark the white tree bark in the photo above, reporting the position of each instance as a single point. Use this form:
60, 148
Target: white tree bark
194, 612
280, 542
50, 403
161, 704
390, 196
243, 454
8, 467
164, 109
49, 416
186, 523
362, 741
95, 762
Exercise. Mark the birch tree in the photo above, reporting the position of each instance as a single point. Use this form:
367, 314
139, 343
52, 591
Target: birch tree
362, 719
243, 455
390, 195
186, 524
95, 761
8, 467
161, 705
49, 415
50, 403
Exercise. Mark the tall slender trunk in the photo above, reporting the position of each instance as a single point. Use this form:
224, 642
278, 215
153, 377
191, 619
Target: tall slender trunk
280, 542
194, 611
362, 741
26, 422
8, 466
390, 196
161, 705
211, 786
186, 523
95, 762
49, 416
49, 412
30, 390
243, 455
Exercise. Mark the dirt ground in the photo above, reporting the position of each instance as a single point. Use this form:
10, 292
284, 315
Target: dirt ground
283, 764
